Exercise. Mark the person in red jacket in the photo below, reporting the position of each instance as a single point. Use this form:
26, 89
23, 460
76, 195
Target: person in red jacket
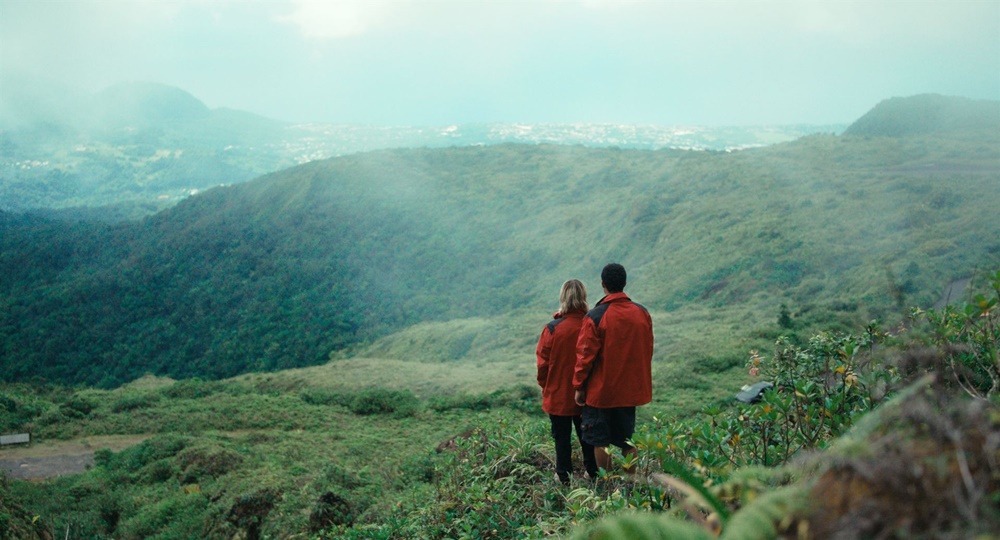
556, 359
613, 374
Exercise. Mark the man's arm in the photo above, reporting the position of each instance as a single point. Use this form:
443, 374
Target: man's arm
588, 345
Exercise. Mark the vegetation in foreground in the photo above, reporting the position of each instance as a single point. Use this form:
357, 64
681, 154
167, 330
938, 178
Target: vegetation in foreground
866, 434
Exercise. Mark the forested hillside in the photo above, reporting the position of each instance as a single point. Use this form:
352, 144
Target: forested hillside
281, 271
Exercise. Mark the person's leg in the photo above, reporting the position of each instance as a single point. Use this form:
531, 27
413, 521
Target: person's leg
602, 458
562, 431
621, 424
594, 424
589, 461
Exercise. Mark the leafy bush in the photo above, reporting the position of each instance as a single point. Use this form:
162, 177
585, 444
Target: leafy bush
77, 406
190, 389
250, 510
324, 396
158, 471
159, 520
382, 401
16, 414
331, 510
153, 449
365, 402
495, 484
970, 337
206, 461
16, 519
819, 390
132, 402
472, 402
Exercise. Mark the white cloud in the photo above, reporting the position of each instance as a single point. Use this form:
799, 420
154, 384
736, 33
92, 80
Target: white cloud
318, 20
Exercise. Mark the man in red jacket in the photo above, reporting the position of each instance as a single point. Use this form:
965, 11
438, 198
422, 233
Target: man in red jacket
613, 375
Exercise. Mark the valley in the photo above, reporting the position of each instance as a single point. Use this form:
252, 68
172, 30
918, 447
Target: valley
284, 356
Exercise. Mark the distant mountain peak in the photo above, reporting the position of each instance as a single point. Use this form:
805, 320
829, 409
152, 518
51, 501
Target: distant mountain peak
927, 113
146, 103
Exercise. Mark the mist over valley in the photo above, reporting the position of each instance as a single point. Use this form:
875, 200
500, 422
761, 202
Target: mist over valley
136, 148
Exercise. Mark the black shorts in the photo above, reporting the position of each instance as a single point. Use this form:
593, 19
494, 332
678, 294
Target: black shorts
604, 427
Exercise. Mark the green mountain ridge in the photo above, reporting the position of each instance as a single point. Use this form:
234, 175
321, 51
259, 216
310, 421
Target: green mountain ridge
928, 113
332, 255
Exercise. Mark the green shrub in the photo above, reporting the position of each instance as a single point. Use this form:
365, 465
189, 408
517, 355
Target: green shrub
201, 462
167, 519
158, 471
485, 484
325, 396
190, 389
365, 402
133, 459
329, 511
819, 391
77, 406
472, 402
250, 510
522, 398
970, 338
132, 402
419, 467
336, 475
8, 404
15, 414
381, 401
716, 364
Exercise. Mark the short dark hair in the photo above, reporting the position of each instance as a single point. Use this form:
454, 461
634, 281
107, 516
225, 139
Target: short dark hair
613, 277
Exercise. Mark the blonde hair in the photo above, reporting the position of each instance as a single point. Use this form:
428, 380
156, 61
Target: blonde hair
572, 296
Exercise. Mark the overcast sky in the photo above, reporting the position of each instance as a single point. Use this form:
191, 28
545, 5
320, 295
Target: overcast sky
413, 62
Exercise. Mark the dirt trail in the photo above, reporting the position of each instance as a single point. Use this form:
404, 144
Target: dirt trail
49, 459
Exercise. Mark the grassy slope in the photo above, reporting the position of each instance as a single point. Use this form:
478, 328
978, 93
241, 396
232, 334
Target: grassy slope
209, 447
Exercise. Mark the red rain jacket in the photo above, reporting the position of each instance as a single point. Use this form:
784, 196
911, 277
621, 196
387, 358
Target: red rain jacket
556, 355
614, 354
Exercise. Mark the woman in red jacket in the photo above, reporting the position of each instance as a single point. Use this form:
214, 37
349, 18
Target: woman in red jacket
556, 360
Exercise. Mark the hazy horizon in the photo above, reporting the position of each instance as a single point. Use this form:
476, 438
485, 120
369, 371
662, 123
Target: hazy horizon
446, 62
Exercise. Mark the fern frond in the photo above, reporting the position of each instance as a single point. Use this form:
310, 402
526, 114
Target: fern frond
692, 486
643, 527
761, 519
